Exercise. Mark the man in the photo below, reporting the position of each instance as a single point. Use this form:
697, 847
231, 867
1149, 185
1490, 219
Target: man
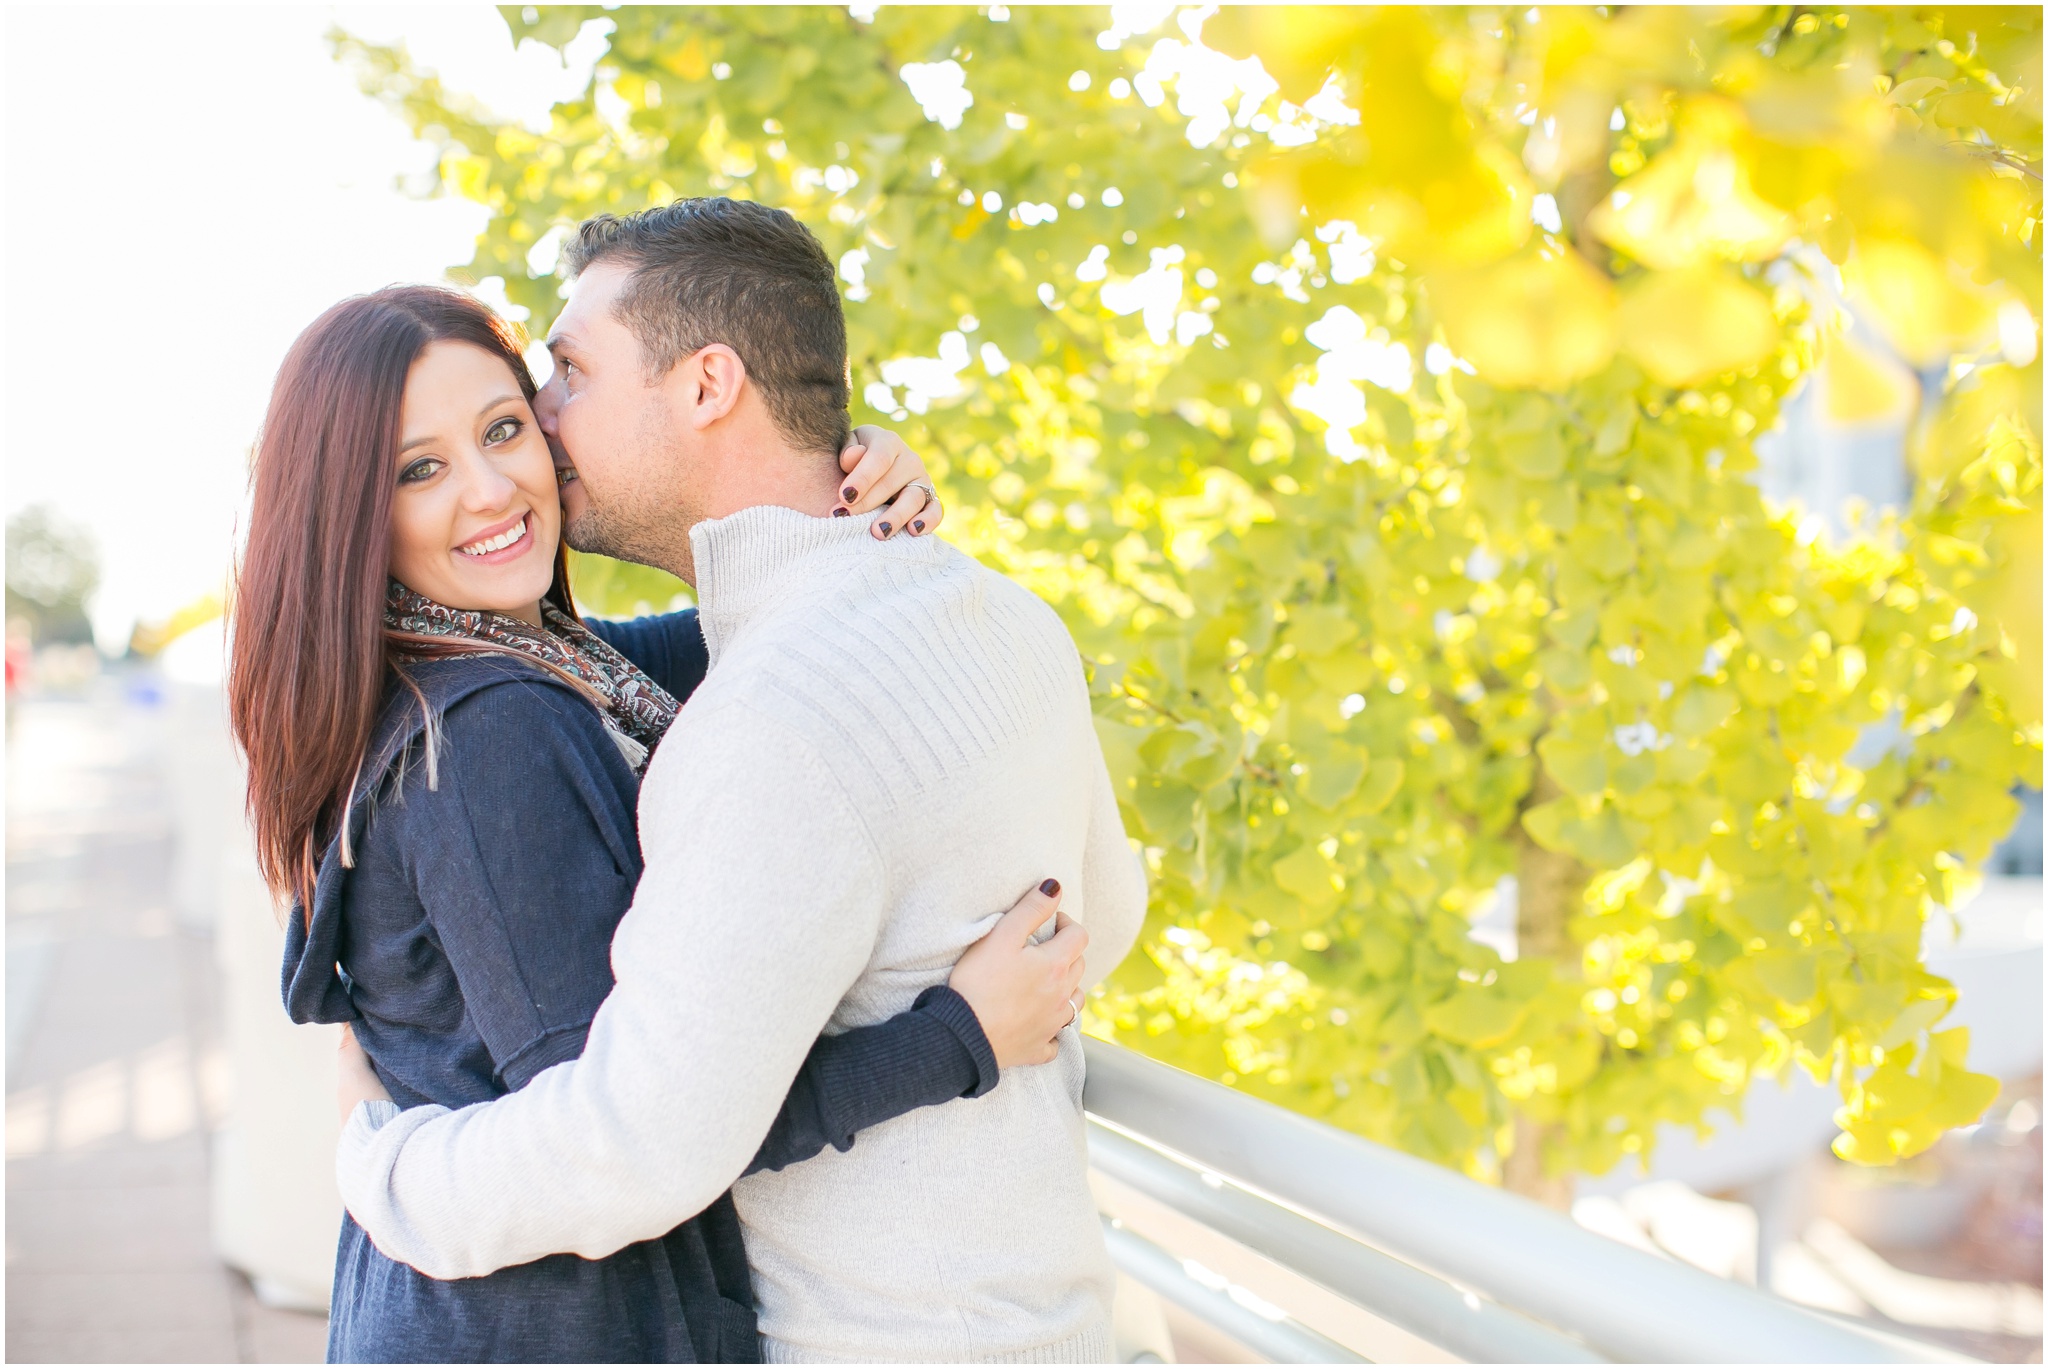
891, 744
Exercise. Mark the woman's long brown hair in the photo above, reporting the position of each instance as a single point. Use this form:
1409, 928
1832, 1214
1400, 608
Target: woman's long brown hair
310, 660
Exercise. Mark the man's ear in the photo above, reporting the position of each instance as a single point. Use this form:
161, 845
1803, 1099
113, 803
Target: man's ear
713, 380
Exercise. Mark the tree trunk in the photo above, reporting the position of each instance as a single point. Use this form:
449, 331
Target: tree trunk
1549, 889
1523, 1170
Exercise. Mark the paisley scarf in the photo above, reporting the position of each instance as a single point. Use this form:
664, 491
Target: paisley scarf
636, 710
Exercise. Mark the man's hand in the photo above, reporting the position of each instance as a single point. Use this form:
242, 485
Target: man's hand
358, 1081
1025, 994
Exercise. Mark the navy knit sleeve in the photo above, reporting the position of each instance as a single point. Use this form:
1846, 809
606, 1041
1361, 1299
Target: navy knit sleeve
933, 1053
668, 646
524, 857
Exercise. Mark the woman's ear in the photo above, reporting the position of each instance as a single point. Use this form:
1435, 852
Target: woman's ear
715, 378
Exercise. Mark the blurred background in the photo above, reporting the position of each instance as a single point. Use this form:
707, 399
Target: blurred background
169, 1133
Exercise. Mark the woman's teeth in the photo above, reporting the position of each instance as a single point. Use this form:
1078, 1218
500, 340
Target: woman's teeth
498, 543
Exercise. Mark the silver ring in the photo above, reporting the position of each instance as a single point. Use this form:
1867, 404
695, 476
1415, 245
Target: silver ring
930, 494
1075, 1008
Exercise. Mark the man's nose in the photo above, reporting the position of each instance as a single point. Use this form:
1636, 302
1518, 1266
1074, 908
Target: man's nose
547, 404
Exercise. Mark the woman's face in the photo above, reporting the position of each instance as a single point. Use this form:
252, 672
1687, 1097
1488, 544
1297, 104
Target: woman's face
476, 519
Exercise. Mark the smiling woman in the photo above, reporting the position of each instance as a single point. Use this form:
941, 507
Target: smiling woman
336, 516
476, 518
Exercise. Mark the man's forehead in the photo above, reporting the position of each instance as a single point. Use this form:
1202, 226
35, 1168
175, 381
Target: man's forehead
590, 300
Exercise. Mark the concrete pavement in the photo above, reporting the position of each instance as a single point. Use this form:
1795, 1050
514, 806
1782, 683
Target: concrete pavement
116, 1079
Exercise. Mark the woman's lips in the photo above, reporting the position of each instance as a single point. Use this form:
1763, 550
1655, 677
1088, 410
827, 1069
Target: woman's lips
507, 542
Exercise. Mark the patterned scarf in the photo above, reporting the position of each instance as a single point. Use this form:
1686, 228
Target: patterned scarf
636, 709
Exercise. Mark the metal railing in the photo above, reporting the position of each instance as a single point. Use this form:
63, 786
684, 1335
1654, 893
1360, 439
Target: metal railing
1483, 1274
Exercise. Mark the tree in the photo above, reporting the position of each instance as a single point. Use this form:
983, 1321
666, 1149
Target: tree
52, 571
1366, 636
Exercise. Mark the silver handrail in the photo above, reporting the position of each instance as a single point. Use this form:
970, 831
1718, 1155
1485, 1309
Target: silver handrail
1545, 1274
1456, 1319
1281, 1339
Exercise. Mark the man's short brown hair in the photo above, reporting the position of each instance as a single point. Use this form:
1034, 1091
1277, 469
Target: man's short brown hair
711, 270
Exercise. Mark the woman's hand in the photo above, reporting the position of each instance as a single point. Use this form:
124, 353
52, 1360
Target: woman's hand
879, 468
1025, 994
359, 1082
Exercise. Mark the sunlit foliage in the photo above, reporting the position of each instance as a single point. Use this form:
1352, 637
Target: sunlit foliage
1376, 394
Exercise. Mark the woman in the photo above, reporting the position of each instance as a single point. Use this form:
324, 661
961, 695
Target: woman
443, 764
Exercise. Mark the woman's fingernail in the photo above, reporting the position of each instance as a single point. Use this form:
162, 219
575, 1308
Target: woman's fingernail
849, 494
1051, 888
917, 525
841, 513
884, 527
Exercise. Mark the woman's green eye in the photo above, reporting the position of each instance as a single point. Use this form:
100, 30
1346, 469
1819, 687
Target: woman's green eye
504, 430
417, 471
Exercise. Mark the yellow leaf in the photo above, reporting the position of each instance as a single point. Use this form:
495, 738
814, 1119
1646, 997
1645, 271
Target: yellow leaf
1691, 325
688, 59
1296, 44
2013, 597
1694, 203
1537, 321
1918, 1015
1927, 310
1861, 384
1413, 175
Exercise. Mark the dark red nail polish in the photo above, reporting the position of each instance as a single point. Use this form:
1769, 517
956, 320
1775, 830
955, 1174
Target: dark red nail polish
1051, 888
849, 494
884, 527
917, 526
840, 513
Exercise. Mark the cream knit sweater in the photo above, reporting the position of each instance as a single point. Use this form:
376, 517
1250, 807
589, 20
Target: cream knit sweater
893, 744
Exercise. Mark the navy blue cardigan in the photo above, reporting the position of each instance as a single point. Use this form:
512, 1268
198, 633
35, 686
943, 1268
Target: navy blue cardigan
469, 945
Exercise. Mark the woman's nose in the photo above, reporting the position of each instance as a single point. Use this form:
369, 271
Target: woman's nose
486, 488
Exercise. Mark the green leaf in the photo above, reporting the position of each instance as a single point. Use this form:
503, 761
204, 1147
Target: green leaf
1308, 875
1699, 709
1120, 742
1617, 426
1790, 975
1535, 456
1600, 841
1474, 1017
1546, 821
1580, 766
1383, 780
1332, 780
1167, 807
1766, 908
1320, 629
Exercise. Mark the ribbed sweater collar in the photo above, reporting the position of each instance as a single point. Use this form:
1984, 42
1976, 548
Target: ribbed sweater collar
750, 561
